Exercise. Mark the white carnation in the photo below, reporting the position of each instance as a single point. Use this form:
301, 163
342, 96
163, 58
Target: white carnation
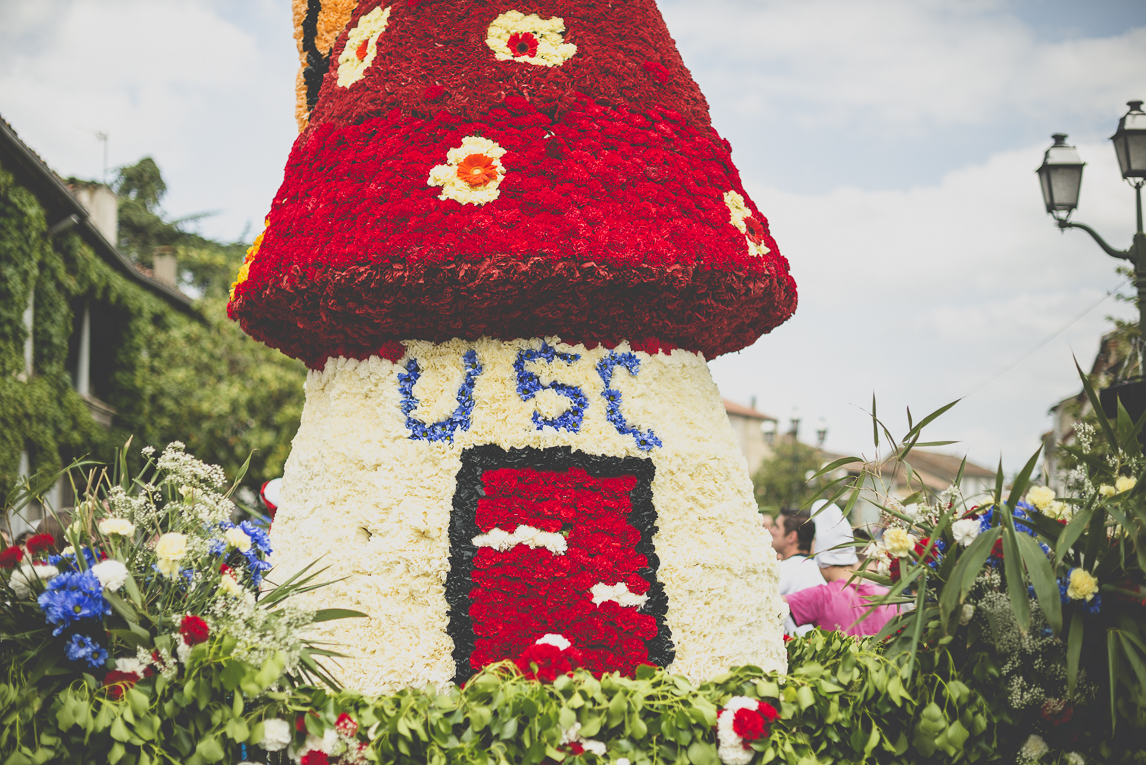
118, 526
230, 587
238, 539
553, 639
22, 578
276, 735
965, 531
1035, 748
111, 574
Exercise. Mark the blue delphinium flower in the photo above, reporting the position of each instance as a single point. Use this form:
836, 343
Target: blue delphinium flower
1094, 605
216, 547
72, 596
82, 647
260, 546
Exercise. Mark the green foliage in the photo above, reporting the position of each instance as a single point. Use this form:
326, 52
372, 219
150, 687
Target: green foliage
783, 478
840, 702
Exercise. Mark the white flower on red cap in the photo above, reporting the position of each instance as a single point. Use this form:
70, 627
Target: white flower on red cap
513, 36
361, 47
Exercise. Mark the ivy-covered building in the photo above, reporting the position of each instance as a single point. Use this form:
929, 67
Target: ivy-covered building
78, 323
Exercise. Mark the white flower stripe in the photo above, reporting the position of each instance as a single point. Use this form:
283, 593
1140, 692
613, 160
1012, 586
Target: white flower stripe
453, 187
738, 212
618, 593
503, 541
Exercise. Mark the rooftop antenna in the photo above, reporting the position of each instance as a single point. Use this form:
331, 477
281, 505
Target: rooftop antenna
101, 136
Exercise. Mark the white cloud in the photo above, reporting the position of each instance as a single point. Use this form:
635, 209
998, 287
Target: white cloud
903, 64
922, 295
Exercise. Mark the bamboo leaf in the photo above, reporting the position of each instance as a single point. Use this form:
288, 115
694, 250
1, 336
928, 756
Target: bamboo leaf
330, 614
1074, 651
1044, 581
1096, 405
1023, 480
1071, 533
918, 428
1013, 567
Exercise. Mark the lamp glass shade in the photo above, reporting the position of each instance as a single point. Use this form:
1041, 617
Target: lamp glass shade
1130, 142
1061, 176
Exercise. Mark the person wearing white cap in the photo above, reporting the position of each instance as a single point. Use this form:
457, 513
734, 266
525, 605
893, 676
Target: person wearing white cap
839, 604
792, 538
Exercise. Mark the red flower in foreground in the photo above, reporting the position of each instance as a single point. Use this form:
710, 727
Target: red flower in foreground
117, 682
1057, 712
315, 757
768, 712
40, 543
893, 570
346, 725
748, 724
997, 550
921, 547
549, 660
10, 557
194, 630
522, 44
477, 170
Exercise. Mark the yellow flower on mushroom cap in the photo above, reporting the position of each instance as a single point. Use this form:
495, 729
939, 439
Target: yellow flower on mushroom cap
1082, 585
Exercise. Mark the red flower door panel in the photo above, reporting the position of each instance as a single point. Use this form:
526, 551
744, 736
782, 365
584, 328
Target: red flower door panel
555, 541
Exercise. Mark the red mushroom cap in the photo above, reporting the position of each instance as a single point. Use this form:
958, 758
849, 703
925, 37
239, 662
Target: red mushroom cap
611, 211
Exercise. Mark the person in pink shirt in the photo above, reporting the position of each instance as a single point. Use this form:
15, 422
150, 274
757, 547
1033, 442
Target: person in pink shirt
840, 604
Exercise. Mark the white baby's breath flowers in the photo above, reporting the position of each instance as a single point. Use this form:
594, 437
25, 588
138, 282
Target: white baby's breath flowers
116, 526
170, 549
182, 650
238, 539
898, 542
1040, 496
277, 734
111, 574
965, 531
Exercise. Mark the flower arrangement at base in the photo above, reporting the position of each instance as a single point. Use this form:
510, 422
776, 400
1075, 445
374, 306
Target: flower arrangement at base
1040, 600
157, 599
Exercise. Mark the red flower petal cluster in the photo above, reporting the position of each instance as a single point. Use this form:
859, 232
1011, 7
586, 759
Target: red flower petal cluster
524, 593
893, 570
10, 557
522, 45
596, 234
657, 70
194, 630
118, 682
748, 724
40, 543
921, 547
346, 725
315, 757
997, 548
549, 661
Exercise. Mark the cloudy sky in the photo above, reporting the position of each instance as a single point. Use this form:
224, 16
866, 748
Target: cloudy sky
891, 144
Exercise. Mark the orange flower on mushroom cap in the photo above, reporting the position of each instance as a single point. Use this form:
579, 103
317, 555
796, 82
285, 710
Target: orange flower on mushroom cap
477, 170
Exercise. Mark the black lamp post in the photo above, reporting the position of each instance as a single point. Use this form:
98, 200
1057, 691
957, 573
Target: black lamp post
1061, 178
821, 433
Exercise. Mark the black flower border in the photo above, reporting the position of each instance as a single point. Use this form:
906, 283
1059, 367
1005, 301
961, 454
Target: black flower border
463, 528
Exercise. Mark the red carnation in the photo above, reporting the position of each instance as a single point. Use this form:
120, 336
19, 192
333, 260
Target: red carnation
997, 550
346, 725
432, 93
576, 748
300, 723
893, 570
767, 711
658, 71
225, 569
40, 543
522, 44
550, 661
117, 682
10, 557
748, 724
921, 547
315, 757
194, 630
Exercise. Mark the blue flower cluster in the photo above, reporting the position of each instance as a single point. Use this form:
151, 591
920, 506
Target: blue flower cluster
71, 596
462, 416
68, 560
255, 555
646, 440
82, 647
529, 385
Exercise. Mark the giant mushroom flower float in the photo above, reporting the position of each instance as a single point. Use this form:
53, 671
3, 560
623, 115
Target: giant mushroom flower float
507, 240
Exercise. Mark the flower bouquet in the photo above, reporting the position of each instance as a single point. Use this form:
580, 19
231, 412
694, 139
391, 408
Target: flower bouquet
155, 596
1039, 600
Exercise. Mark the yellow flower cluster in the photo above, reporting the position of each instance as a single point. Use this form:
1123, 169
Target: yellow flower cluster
552, 50
170, 549
1041, 497
249, 258
898, 542
1082, 585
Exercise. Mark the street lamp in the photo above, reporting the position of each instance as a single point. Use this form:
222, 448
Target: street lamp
794, 431
1061, 178
821, 433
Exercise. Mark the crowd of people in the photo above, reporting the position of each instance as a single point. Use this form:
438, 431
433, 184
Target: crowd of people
818, 563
